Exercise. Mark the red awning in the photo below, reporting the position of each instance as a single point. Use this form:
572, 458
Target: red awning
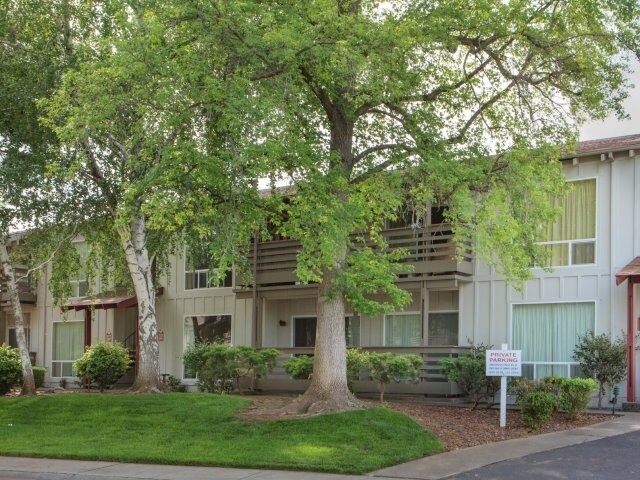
105, 302
630, 271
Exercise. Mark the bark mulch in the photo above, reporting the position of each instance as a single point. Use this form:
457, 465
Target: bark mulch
457, 426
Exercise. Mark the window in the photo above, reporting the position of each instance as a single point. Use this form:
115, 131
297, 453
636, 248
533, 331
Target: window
13, 340
403, 330
443, 329
78, 280
352, 330
547, 335
199, 267
206, 328
304, 331
68, 342
571, 239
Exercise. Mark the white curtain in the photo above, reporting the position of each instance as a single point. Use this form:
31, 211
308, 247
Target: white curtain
403, 330
549, 332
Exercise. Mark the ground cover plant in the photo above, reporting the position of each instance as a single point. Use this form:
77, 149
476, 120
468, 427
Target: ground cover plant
202, 429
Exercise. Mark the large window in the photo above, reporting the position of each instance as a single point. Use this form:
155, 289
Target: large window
68, 342
200, 271
206, 328
304, 331
571, 239
403, 330
547, 335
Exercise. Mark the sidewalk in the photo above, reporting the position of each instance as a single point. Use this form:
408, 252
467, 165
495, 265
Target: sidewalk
435, 467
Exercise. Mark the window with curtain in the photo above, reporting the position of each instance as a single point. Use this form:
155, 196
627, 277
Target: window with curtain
547, 335
199, 265
571, 239
68, 343
442, 329
403, 330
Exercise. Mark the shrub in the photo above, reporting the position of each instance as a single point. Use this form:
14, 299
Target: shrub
603, 359
356, 360
385, 367
217, 365
216, 373
468, 371
520, 387
103, 363
38, 376
254, 363
537, 408
300, 367
175, 384
575, 394
10, 368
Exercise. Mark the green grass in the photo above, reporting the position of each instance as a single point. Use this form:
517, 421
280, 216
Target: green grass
202, 429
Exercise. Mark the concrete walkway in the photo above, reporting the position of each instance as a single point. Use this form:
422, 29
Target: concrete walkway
435, 467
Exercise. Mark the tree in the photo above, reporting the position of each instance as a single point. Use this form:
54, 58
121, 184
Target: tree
448, 103
144, 130
602, 359
32, 58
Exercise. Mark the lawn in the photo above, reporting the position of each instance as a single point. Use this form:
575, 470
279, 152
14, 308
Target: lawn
202, 429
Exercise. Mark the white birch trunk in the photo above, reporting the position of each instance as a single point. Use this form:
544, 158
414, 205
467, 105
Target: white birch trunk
28, 381
134, 244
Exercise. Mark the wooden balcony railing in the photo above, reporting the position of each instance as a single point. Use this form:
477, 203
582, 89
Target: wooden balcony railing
430, 251
432, 381
24, 288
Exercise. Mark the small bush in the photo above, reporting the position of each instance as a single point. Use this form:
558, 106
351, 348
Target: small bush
537, 408
38, 376
193, 357
218, 365
10, 368
385, 367
175, 384
575, 394
103, 363
468, 371
520, 387
300, 367
603, 359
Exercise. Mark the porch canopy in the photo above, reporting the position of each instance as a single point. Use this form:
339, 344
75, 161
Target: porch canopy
101, 302
630, 273
104, 301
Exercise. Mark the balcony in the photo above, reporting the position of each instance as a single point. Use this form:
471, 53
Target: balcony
430, 251
25, 291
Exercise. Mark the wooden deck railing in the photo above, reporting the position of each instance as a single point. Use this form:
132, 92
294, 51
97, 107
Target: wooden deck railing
429, 250
27, 295
432, 381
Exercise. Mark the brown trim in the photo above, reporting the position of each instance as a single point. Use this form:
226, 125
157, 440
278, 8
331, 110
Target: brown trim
631, 341
87, 327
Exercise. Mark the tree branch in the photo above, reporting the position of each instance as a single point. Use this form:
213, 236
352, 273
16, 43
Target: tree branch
378, 148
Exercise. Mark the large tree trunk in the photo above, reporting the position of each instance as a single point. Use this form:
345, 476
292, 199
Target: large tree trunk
28, 382
134, 243
328, 390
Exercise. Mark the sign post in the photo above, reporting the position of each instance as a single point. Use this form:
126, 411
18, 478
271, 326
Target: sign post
503, 363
